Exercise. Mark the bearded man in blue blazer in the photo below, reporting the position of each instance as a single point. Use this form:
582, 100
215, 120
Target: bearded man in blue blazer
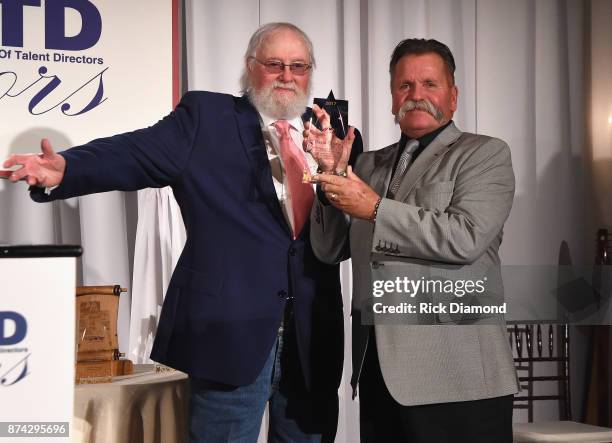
250, 313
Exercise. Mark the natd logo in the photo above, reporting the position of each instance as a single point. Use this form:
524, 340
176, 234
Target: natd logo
12, 336
13, 329
55, 23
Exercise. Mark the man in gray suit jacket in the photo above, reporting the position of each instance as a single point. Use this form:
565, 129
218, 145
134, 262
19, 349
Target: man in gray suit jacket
434, 202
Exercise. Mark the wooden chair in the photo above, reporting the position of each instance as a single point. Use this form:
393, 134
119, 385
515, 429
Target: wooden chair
539, 347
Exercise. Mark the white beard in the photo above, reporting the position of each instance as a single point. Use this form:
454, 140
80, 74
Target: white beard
279, 106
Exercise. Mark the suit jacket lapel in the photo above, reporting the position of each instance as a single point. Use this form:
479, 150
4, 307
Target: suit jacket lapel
253, 143
432, 154
383, 165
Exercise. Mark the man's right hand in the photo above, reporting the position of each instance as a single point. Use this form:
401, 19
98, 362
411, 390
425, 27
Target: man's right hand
330, 152
45, 169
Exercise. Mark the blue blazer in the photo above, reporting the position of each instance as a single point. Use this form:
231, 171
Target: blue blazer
239, 267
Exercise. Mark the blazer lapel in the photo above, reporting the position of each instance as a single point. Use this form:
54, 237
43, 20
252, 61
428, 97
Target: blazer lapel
383, 165
431, 155
249, 129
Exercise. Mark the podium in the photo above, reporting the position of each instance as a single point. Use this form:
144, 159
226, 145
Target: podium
37, 327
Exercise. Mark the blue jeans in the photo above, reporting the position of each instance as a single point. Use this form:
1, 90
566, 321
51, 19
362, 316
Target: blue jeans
222, 413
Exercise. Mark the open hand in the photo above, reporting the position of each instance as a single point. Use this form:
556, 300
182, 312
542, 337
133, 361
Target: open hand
330, 152
45, 169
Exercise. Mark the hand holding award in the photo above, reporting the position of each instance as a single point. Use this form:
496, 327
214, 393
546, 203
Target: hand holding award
322, 139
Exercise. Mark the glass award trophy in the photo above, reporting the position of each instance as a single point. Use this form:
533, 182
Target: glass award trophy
337, 111
338, 116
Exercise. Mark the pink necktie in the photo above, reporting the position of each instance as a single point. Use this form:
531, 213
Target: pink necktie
301, 193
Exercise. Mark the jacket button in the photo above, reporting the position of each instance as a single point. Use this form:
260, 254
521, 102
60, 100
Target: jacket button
282, 293
292, 251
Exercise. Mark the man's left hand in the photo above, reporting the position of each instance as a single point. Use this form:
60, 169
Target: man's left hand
350, 194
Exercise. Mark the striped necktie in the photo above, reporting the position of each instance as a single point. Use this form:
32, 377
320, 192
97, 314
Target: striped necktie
402, 166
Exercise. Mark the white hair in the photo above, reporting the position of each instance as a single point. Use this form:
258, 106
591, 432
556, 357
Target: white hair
259, 37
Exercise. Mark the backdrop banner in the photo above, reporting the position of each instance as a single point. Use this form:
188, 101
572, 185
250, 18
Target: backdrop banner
73, 70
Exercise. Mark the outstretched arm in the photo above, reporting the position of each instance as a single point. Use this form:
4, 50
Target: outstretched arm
152, 157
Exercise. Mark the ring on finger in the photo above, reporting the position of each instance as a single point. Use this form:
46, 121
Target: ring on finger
333, 196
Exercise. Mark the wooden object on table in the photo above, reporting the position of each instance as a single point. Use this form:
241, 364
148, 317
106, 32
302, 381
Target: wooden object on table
98, 357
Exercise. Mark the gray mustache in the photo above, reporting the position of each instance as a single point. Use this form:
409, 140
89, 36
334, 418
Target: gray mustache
289, 85
421, 105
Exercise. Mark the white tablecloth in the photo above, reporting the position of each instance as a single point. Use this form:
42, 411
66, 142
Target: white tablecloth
143, 407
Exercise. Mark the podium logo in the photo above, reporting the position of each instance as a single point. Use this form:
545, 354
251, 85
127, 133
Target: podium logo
13, 330
55, 23
12, 335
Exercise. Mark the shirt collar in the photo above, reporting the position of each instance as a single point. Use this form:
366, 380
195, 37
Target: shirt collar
427, 138
296, 122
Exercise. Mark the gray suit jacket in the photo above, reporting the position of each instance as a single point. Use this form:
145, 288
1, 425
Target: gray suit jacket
447, 216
